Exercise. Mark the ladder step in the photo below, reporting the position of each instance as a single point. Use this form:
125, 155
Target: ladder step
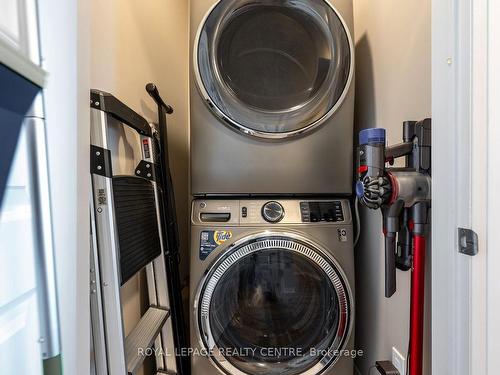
161, 372
143, 336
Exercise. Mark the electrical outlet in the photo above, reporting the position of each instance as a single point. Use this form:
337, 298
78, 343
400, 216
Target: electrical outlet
399, 361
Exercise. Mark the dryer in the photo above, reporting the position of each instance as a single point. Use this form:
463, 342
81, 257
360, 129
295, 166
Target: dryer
271, 96
272, 287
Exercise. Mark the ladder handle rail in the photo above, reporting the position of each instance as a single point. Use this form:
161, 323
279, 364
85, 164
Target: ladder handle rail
169, 218
155, 94
166, 184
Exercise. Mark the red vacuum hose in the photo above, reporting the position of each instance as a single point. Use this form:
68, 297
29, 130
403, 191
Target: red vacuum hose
417, 305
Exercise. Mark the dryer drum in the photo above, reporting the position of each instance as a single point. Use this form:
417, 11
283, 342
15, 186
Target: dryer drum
273, 68
274, 304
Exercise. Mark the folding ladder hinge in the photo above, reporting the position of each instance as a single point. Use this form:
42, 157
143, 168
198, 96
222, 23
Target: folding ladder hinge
468, 242
100, 161
146, 169
95, 100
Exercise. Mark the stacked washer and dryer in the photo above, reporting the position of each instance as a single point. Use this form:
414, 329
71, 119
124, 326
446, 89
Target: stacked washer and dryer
272, 264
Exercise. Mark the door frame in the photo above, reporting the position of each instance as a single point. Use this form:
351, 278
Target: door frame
465, 88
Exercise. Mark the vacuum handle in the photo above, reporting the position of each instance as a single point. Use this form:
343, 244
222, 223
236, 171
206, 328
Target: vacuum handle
390, 264
155, 94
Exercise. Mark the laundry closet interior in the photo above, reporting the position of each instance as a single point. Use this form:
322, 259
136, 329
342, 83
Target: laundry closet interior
268, 100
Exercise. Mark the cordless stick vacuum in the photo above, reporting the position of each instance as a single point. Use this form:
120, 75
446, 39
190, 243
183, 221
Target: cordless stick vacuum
404, 197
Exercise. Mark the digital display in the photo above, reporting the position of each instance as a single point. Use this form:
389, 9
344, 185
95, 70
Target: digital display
329, 211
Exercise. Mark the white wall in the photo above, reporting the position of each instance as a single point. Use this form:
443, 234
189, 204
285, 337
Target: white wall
132, 43
63, 33
393, 84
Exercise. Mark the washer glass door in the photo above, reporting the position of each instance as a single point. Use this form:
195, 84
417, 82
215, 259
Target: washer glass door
273, 69
274, 305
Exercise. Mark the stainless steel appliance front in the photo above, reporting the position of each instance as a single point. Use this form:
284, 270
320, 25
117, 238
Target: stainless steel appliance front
271, 96
271, 298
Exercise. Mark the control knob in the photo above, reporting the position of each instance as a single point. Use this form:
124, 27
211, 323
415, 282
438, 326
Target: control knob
273, 212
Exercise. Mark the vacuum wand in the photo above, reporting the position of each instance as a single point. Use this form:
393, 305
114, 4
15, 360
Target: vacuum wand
404, 197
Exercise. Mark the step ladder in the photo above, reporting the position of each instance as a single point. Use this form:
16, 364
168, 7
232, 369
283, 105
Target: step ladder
126, 238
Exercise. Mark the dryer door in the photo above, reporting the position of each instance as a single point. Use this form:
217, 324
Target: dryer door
274, 303
273, 69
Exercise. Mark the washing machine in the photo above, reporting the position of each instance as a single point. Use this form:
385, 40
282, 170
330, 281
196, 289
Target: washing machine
271, 97
272, 287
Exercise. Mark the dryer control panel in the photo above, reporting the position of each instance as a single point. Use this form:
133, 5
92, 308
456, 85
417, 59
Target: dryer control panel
269, 212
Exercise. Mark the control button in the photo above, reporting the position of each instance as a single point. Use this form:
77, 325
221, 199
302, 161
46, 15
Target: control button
244, 212
273, 212
203, 205
305, 212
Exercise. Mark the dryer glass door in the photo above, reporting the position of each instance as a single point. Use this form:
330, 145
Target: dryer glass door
273, 69
275, 305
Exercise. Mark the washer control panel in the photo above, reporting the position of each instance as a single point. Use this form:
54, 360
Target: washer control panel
264, 212
313, 212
